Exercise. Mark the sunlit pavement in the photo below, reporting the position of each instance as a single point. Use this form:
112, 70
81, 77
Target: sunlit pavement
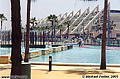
66, 72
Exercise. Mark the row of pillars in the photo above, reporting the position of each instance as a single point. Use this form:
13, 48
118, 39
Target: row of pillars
5, 37
36, 38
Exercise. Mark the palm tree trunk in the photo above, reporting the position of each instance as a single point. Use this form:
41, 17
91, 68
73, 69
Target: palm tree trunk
60, 34
33, 34
43, 37
1, 32
111, 33
55, 33
8, 37
48, 35
52, 32
40, 38
1, 24
27, 32
24, 39
16, 57
103, 51
35, 38
33, 25
68, 32
5, 37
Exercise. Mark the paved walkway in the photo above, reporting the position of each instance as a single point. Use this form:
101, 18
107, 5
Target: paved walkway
66, 72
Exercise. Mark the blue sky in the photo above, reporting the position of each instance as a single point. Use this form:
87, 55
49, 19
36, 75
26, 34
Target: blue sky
43, 8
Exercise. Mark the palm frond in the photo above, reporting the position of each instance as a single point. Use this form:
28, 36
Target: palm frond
53, 18
2, 17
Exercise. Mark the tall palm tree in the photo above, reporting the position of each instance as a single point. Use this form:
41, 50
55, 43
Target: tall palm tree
60, 27
52, 19
2, 18
16, 57
68, 24
27, 31
103, 50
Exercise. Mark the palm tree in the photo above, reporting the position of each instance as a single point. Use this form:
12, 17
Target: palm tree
16, 57
40, 28
103, 50
23, 28
2, 18
47, 32
27, 31
33, 21
48, 27
43, 29
68, 24
111, 27
52, 19
60, 27
97, 28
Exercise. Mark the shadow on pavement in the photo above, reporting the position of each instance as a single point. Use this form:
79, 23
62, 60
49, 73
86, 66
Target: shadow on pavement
84, 71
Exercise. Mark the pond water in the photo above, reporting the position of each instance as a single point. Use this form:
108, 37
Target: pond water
5, 51
81, 55
75, 55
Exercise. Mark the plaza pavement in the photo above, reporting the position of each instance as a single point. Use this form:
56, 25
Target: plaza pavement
66, 72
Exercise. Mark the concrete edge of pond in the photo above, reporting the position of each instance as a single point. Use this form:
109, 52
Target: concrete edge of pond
64, 64
74, 64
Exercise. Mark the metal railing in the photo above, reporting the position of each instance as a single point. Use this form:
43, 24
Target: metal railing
112, 43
